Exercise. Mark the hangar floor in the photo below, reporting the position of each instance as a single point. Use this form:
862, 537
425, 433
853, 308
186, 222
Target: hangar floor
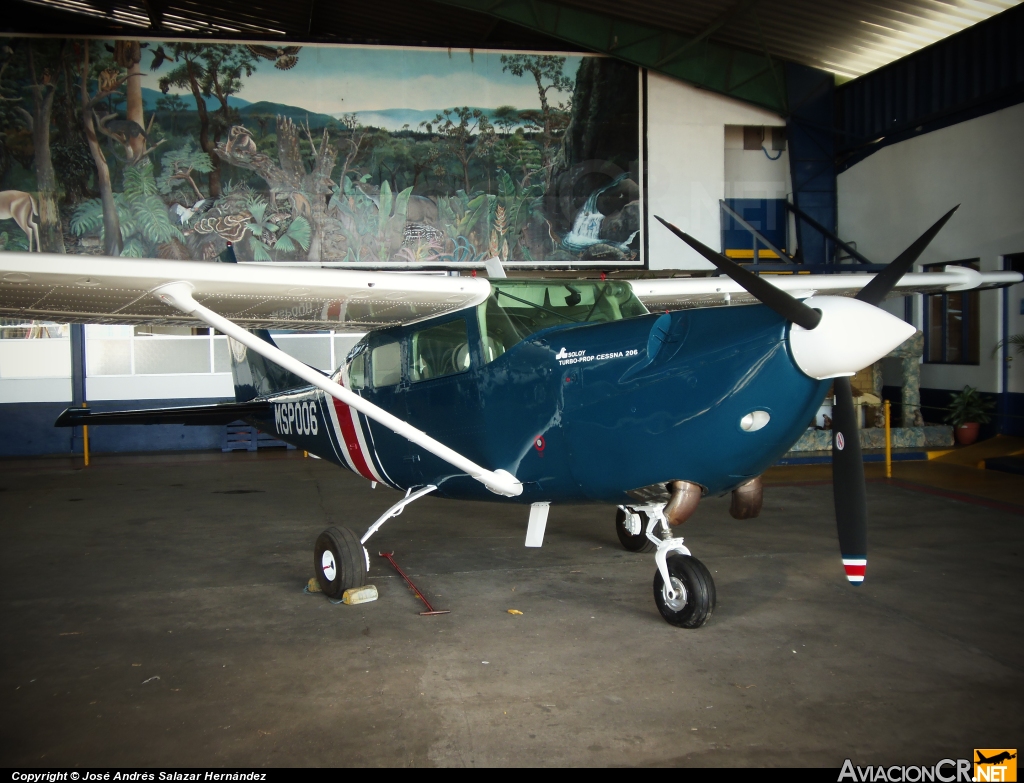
153, 614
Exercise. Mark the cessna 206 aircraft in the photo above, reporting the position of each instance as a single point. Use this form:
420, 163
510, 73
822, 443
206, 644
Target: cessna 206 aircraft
511, 390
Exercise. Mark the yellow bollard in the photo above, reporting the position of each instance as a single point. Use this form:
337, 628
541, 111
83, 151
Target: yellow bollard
888, 443
85, 441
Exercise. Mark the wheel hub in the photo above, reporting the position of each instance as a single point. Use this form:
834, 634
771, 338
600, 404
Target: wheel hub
632, 524
677, 602
329, 566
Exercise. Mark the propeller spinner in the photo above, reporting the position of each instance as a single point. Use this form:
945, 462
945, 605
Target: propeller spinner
834, 337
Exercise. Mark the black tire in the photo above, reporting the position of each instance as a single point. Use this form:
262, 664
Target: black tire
699, 601
339, 561
630, 542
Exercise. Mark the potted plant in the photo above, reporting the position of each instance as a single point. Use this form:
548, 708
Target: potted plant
968, 410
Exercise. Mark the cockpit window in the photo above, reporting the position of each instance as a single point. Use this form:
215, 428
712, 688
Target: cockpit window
386, 364
519, 308
438, 351
357, 372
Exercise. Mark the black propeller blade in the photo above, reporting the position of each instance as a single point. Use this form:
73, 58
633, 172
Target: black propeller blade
848, 488
875, 291
788, 307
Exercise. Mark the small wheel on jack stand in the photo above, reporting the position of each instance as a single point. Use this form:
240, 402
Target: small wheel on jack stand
339, 561
631, 539
695, 592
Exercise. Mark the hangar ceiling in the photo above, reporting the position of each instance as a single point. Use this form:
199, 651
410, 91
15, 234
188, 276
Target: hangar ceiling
735, 47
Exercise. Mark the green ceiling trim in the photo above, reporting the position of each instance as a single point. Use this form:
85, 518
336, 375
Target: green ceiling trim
745, 75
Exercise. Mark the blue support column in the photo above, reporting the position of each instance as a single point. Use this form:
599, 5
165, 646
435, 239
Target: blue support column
77, 379
811, 139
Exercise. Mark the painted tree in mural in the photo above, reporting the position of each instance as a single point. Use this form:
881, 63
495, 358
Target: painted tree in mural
107, 83
461, 133
173, 105
210, 70
546, 71
41, 72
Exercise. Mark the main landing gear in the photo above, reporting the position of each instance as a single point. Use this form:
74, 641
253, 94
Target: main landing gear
683, 588
340, 558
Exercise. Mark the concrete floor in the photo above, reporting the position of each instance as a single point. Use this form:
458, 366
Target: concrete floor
153, 614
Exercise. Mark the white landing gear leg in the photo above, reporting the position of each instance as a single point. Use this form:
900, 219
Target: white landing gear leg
340, 559
683, 588
394, 511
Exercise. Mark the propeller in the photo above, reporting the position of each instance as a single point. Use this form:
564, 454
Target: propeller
820, 358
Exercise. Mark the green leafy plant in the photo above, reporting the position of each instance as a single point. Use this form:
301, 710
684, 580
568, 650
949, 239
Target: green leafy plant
297, 233
1013, 339
968, 406
145, 222
261, 228
512, 212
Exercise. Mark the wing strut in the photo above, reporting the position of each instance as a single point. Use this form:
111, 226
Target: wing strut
179, 295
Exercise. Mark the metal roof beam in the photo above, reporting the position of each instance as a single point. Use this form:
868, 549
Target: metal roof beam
741, 8
745, 74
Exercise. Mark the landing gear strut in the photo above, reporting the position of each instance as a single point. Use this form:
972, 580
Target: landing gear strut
340, 558
683, 588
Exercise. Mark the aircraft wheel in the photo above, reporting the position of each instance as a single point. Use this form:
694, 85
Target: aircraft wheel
633, 542
339, 561
695, 600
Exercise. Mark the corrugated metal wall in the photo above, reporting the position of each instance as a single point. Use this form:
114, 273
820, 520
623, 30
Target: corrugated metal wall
969, 74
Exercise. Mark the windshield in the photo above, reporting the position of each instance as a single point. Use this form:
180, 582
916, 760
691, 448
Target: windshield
519, 308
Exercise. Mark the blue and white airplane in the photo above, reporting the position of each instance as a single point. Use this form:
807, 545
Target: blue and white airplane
644, 395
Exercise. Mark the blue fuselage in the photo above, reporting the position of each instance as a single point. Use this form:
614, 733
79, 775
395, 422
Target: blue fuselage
580, 413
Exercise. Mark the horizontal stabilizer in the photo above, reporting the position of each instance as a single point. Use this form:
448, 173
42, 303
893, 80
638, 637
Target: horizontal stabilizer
196, 415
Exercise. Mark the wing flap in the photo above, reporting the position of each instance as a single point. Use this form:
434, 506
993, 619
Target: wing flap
98, 289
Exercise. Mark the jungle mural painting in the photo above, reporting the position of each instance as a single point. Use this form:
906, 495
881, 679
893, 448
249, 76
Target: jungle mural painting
361, 155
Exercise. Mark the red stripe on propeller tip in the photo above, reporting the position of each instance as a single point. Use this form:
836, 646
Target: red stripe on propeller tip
855, 569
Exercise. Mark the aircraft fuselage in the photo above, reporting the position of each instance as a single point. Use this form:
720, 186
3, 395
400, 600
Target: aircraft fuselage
580, 413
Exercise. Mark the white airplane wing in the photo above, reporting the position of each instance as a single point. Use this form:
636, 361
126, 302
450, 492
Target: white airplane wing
688, 292
99, 289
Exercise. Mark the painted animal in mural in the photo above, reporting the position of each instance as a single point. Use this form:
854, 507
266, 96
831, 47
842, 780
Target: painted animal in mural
22, 208
284, 57
240, 141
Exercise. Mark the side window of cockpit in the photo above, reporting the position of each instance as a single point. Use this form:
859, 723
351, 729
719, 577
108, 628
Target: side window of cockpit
386, 364
357, 372
439, 351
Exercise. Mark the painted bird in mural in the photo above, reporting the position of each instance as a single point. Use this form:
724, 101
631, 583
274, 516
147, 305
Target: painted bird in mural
159, 57
185, 214
283, 56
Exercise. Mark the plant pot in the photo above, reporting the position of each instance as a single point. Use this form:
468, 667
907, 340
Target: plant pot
967, 433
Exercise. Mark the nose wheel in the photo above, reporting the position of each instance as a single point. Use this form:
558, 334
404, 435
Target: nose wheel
688, 600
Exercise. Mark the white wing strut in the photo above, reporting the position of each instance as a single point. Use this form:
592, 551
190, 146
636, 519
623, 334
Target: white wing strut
179, 295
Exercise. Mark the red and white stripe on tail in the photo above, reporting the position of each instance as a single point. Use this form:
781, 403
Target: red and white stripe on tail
352, 442
855, 567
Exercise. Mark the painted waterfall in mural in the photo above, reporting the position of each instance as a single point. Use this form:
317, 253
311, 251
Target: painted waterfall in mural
361, 155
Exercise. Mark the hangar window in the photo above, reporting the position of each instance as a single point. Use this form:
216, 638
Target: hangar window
951, 323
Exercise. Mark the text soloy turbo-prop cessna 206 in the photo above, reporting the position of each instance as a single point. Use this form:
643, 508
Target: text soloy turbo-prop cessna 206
534, 392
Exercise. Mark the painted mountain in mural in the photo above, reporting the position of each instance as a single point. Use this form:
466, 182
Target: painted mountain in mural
150, 98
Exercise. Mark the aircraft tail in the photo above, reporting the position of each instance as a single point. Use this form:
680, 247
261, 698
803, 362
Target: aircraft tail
255, 376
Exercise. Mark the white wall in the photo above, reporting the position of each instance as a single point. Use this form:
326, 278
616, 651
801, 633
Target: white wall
686, 165
891, 197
